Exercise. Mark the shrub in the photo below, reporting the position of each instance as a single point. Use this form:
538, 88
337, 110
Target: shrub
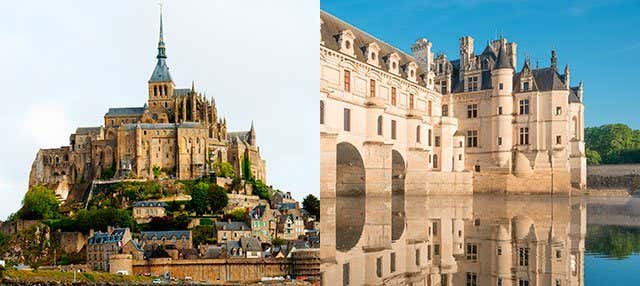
200, 197
217, 198
261, 190
39, 203
312, 205
237, 214
224, 169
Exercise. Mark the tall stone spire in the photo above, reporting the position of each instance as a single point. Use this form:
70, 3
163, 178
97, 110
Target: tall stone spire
161, 71
161, 49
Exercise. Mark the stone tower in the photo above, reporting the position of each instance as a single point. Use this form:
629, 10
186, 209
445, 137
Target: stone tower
161, 85
502, 84
421, 50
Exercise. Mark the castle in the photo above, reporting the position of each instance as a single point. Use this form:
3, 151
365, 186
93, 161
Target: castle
431, 121
177, 132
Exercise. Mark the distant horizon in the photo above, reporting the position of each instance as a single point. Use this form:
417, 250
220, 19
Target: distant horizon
576, 30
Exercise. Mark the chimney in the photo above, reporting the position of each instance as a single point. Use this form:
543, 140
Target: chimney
91, 232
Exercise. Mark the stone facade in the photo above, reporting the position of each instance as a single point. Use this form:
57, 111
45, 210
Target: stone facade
177, 133
520, 126
102, 245
515, 131
144, 211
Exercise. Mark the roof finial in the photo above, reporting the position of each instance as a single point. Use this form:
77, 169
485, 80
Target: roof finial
161, 49
554, 59
193, 86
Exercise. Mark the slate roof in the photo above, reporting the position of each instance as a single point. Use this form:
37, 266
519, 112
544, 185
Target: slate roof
288, 206
250, 244
105, 237
331, 28
503, 61
233, 225
181, 91
125, 111
169, 126
548, 79
88, 130
238, 136
161, 72
573, 95
149, 204
258, 212
170, 234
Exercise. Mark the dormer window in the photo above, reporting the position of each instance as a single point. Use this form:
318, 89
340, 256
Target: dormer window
394, 63
372, 52
525, 86
346, 40
412, 71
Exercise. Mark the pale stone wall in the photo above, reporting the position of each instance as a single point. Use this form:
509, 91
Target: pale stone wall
212, 270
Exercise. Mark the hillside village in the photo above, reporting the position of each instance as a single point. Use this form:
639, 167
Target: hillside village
135, 222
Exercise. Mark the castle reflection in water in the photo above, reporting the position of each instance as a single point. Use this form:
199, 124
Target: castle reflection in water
453, 240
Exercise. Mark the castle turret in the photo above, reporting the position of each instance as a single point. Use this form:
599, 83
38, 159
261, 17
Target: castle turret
421, 50
502, 83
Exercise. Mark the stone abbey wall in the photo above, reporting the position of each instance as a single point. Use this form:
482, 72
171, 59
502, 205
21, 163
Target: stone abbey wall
238, 269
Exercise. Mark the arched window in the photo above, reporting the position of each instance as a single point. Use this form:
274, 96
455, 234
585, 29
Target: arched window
321, 112
435, 161
155, 91
380, 125
165, 90
418, 134
575, 127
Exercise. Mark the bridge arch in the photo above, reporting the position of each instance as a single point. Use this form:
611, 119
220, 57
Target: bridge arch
398, 171
350, 196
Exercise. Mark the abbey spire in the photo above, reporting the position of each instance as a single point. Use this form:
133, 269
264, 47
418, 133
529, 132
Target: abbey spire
161, 71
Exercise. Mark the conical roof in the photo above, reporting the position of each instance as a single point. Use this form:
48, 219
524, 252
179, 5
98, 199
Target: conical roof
503, 61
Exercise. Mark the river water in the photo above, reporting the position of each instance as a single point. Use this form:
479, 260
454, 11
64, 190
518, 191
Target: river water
482, 240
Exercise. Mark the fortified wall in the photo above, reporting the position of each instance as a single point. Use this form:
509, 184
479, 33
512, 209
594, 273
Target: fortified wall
211, 270
623, 177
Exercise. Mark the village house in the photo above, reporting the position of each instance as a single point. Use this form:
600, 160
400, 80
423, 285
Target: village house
263, 222
101, 245
175, 239
143, 211
290, 227
231, 230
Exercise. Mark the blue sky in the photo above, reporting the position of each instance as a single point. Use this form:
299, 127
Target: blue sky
598, 39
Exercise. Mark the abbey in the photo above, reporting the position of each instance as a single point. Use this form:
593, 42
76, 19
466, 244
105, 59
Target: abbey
512, 130
177, 132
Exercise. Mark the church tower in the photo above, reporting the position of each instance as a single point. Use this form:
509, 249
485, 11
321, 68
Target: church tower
161, 85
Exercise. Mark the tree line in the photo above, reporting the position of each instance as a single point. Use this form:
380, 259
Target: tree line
612, 144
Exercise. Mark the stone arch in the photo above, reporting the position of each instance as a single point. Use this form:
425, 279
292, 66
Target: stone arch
380, 123
350, 196
398, 170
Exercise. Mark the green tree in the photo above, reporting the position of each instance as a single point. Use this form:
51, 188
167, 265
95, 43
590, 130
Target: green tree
312, 205
261, 190
237, 214
218, 198
156, 171
593, 157
39, 203
614, 143
200, 198
246, 169
224, 169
